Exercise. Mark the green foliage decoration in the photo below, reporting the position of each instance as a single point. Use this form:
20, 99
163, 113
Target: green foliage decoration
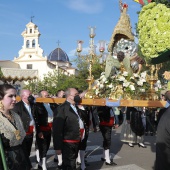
153, 28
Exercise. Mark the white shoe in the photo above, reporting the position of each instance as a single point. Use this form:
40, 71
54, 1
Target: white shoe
131, 144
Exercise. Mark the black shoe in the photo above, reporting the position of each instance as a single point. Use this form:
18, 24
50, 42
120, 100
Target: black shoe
59, 167
87, 164
78, 163
55, 160
141, 145
36, 161
103, 159
39, 167
111, 163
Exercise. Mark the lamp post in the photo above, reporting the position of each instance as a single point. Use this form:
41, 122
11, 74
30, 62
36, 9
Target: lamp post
91, 57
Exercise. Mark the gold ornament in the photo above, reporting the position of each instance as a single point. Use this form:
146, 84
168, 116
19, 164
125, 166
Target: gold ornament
17, 134
1, 106
117, 93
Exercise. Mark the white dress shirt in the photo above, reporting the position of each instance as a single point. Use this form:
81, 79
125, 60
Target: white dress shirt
50, 112
28, 107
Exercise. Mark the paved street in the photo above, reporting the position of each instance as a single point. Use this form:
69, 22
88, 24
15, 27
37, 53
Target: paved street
127, 158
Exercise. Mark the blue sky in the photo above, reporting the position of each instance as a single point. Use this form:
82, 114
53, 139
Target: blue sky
63, 20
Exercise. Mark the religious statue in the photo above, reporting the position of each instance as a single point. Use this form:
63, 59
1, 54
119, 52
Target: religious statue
122, 48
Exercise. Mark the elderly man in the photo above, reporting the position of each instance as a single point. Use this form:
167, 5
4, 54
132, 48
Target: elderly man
163, 139
26, 110
66, 129
43, 136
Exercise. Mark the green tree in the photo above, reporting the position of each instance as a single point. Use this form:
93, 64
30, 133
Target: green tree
53, 81
1, 74
83, 66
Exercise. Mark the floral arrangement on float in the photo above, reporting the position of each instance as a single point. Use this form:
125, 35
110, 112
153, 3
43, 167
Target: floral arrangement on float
153, 27
122, 85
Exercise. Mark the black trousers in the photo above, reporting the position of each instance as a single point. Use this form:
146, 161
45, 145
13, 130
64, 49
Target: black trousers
83, 143
69, 155
26, 146
43, 144
106, 133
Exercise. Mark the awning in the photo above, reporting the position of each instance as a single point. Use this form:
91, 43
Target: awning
15, 74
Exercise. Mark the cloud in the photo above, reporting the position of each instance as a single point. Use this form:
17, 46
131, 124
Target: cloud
85, 6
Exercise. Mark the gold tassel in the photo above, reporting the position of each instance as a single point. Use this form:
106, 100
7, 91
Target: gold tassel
17, 134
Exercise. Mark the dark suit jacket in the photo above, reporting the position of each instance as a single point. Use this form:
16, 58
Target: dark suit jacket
42, 114
65, 125
24, 115
103, 113
163, 142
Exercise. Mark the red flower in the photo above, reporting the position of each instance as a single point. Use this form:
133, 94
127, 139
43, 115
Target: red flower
125, 5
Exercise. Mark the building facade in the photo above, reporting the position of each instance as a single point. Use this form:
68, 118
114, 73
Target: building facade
31, 63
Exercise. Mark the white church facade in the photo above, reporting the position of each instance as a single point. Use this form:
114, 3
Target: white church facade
31, 63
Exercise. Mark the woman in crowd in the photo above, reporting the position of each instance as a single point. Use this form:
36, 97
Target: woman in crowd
132, 128
11, 131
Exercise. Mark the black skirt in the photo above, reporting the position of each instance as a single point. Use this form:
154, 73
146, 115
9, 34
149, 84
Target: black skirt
15, 158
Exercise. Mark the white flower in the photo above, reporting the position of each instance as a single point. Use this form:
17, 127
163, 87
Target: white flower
143, 74
121, 78
136, 75
110, 85
103, 73
97, 83
103, 79
140, 83
97, 91
132, 87
156, 88
158, 82
101, 86
125, 73
126, 84
142, 90
142, 80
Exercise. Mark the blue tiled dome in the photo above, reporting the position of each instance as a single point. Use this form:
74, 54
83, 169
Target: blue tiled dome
58, 55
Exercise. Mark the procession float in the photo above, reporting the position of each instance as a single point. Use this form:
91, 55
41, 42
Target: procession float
132, 78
